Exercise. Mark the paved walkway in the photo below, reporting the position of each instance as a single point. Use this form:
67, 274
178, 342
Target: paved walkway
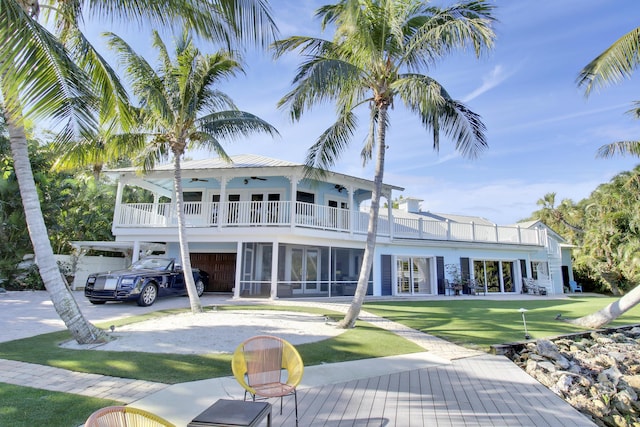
472, 387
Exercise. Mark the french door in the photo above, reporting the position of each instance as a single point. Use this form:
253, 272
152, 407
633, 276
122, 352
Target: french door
413, 276
305, 274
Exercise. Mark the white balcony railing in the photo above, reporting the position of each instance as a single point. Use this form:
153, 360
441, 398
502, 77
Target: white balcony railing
308, 215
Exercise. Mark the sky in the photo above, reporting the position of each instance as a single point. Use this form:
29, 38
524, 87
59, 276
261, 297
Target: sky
543, 133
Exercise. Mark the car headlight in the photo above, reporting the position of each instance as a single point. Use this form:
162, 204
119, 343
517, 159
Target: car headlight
91, 280
128, 281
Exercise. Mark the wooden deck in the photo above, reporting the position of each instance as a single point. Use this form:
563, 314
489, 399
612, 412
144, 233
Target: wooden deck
483, 390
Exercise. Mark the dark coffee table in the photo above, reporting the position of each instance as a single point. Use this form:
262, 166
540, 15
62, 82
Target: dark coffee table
233, 413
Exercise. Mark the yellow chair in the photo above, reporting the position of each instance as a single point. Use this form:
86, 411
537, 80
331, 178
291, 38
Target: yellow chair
125, 416
258, 364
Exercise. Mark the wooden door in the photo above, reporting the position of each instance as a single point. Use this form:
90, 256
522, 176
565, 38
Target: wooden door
221, 268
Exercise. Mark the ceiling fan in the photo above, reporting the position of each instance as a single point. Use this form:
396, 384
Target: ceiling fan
199, 180
258, 178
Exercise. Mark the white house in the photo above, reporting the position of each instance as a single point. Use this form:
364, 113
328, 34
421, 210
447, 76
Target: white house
260, 228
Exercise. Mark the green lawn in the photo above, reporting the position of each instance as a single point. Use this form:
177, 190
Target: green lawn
479, 323
29, 407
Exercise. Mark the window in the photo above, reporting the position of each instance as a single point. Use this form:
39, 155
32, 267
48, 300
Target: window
496, 276
302, 196
192, 202
413, 275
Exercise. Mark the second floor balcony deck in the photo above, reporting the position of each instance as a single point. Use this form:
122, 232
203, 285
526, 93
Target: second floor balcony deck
308, 215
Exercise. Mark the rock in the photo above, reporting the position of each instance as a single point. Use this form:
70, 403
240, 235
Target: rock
549, 350
599, 374
613, 374
563, 385
632, 380
547, 366
618, 420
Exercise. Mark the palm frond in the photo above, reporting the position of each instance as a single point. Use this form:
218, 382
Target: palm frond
330, 145
126, 144
465, 127
370, 142
114, 100
207, 140
306, 46
621, 148
39, 79
437, 32
232, 125
153, 152
440, 113
612, 65
147, 85
321, 80
367, 150
635, 111
232, 22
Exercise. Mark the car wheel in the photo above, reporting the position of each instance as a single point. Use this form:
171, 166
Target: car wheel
200, 287
148, 295
96, 302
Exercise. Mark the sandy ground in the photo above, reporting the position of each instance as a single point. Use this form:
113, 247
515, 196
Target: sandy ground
214, 331
26, 314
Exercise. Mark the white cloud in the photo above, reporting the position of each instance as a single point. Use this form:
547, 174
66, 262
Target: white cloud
493, 79
503, 202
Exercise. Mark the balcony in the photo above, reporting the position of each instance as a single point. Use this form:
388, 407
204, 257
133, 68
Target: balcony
308, 215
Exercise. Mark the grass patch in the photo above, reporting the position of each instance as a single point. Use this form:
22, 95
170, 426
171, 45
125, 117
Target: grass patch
478, 323
363, 342
26, 406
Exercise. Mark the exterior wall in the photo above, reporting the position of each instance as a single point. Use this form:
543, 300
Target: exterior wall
451, 256
448, 252
91, 264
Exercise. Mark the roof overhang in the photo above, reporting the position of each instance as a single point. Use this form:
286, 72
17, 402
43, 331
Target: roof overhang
122, 247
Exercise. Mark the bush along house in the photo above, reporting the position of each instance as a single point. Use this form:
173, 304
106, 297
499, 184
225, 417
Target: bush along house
260, 228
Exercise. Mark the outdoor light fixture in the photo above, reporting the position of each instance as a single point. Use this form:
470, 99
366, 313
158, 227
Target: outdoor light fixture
339, 187
524, 322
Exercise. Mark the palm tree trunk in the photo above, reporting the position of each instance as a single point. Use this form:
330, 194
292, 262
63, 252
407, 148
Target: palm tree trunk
63, 301
609, 313
194, 300
350, 318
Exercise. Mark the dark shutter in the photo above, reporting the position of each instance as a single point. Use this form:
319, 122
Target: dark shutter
387, 280
440, 274
464, 275
464, 269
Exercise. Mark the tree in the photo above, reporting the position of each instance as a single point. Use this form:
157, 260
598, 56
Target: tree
179, 108
618, 61
564, 218
377, 53
58, 76
609, 252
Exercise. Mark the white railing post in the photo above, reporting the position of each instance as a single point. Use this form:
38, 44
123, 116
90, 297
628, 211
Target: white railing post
448, 229
519, 234
473, 231
495, 226
420, 233
117, 220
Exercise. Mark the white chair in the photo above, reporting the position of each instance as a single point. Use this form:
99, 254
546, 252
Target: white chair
574, 286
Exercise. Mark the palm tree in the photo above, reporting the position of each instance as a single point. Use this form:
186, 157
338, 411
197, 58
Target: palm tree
609, 252
376, 55
47, 76
618, 61
181, 108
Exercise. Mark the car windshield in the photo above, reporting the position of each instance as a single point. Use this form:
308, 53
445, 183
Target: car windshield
152, 264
